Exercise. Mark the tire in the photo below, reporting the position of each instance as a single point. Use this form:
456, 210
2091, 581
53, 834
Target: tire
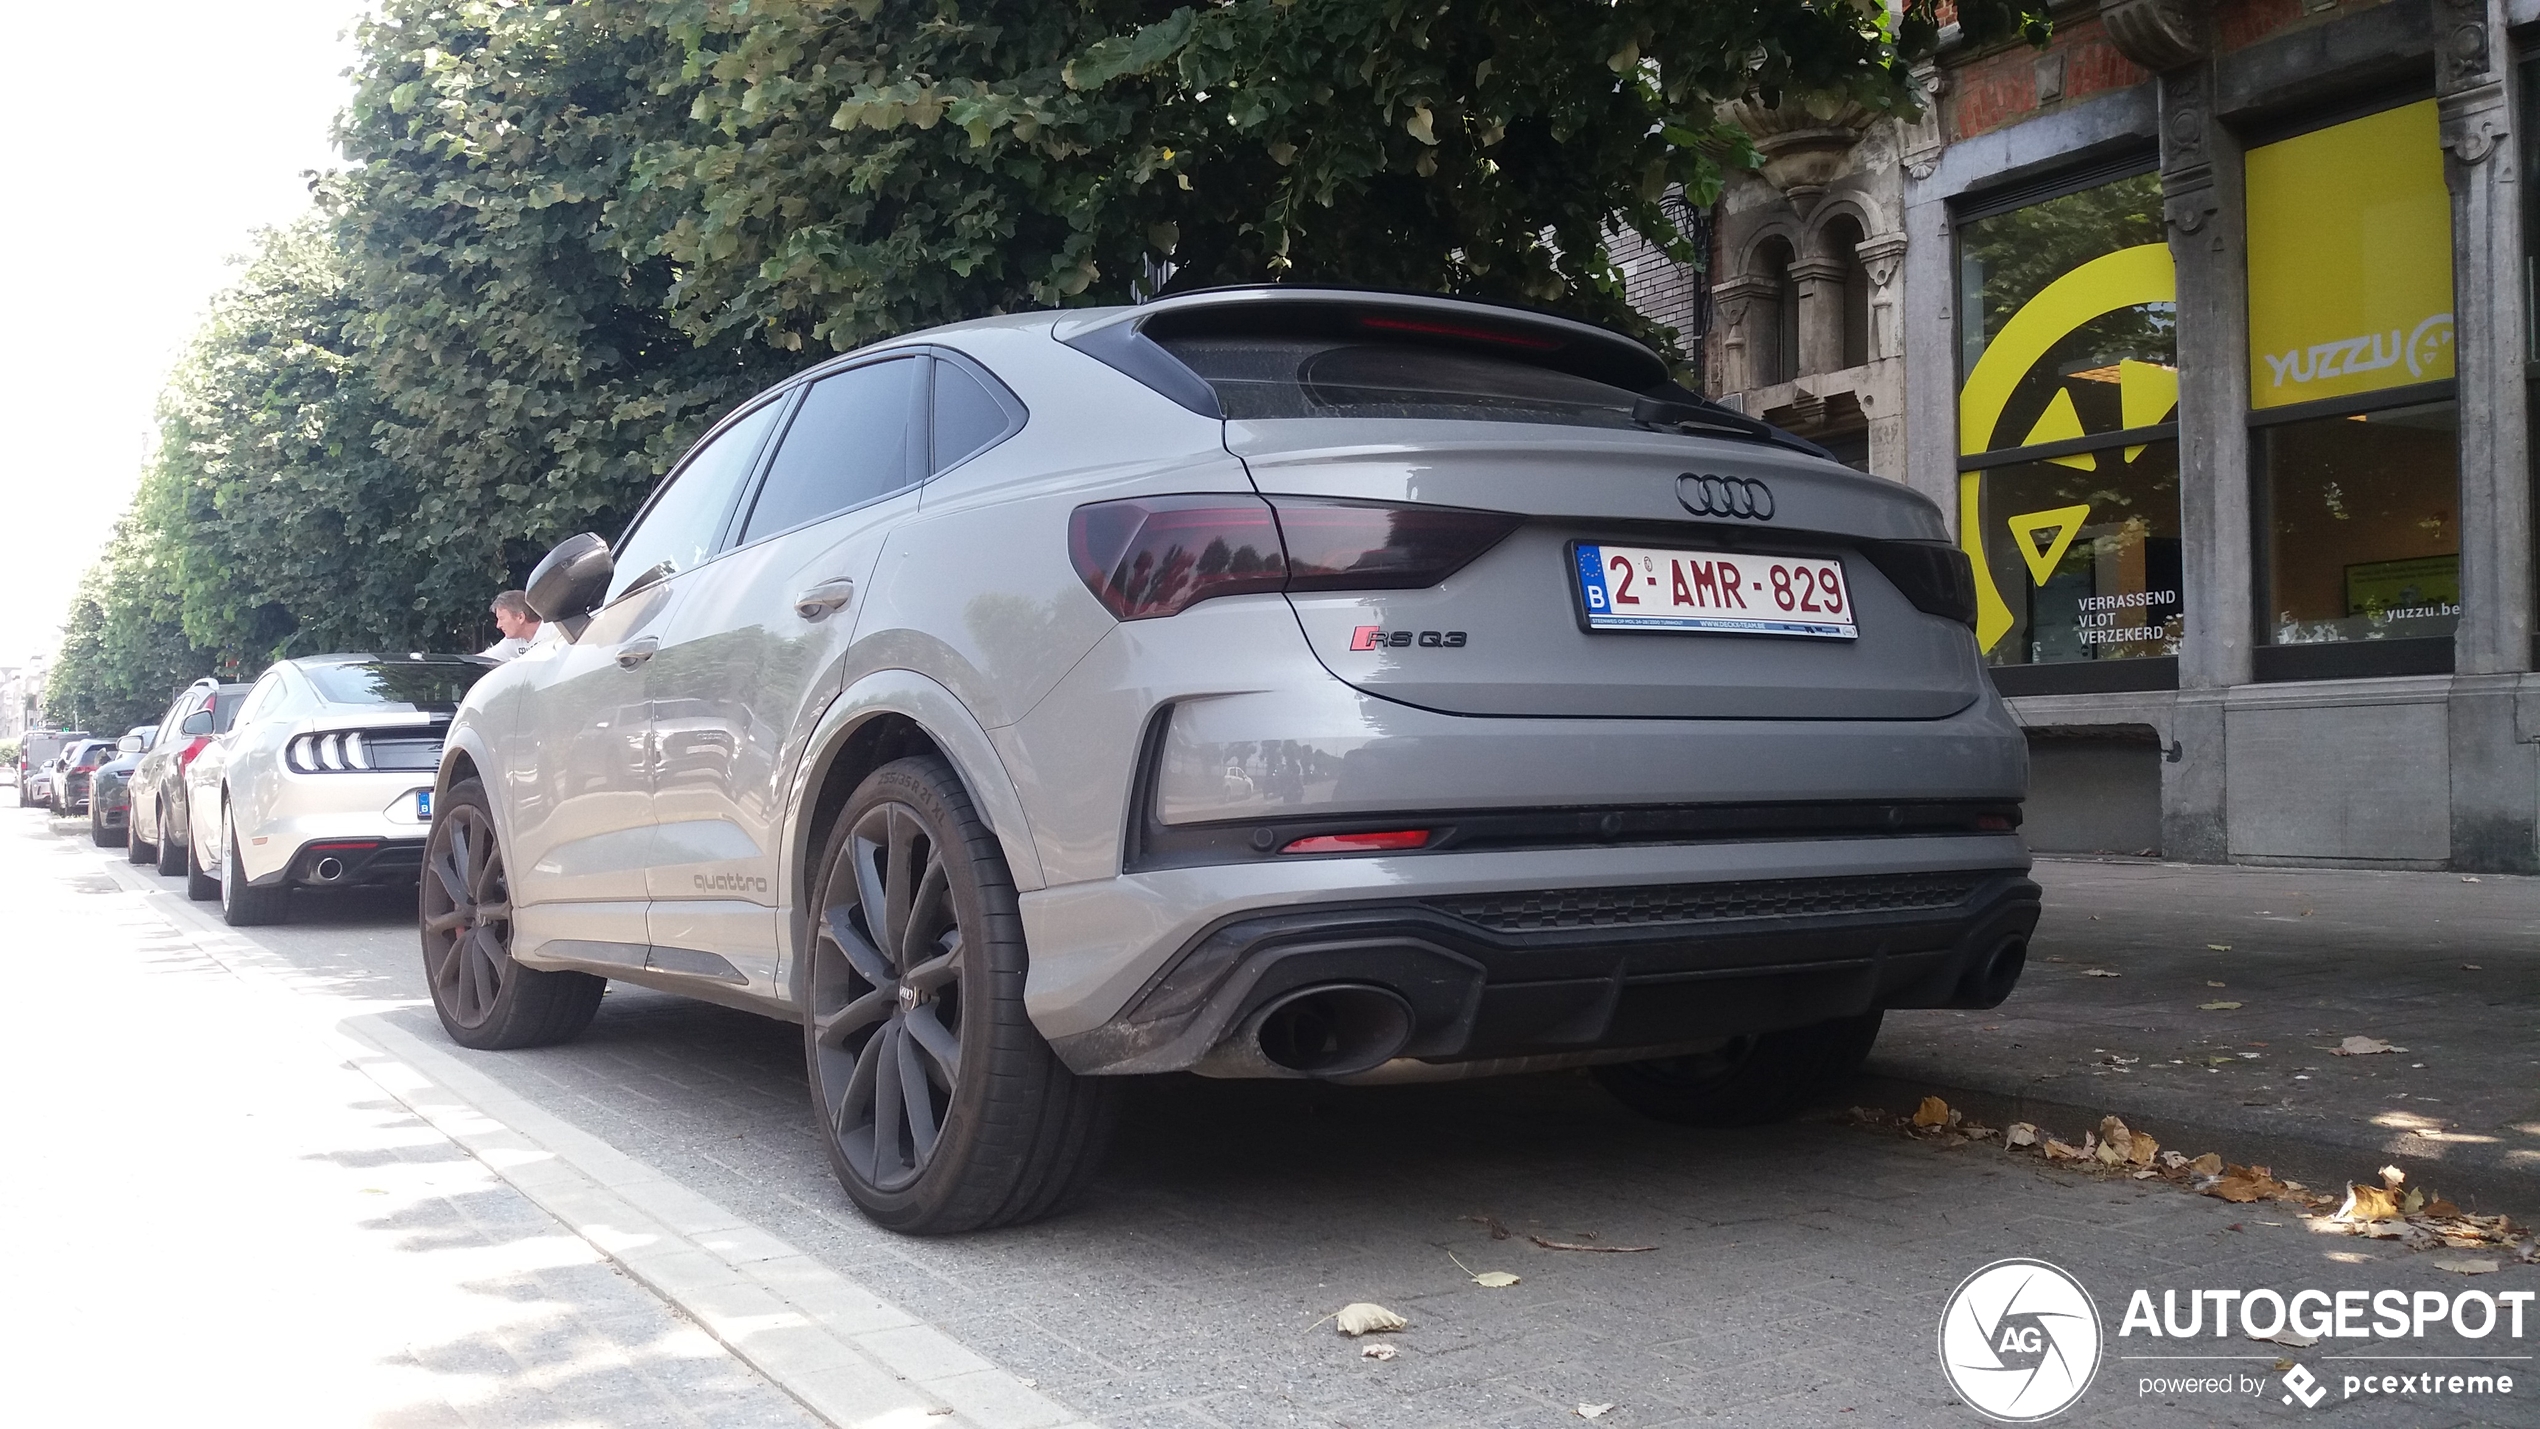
133, 848
1750, 1081
171, 855
243, 904
201, 884
463, 912
99, 834
934, 993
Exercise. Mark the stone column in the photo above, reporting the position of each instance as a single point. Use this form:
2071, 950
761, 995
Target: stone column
2495, 775
1744, 309
2206, 218
1820, 284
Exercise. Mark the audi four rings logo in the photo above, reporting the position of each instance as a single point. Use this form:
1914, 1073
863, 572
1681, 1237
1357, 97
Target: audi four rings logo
1741, 496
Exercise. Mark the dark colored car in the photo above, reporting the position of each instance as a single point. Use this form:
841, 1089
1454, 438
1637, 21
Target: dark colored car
156, 822
110, 788
79, 763
37, 754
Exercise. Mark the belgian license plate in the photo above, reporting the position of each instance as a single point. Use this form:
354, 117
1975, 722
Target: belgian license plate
1724, 592
423, 805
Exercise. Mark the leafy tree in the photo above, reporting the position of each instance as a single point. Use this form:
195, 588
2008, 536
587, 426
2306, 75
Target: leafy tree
124, 652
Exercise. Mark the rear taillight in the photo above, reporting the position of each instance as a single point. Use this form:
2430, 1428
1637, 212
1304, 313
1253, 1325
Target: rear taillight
1386, 841
1152, 556
193, 747
1937, 579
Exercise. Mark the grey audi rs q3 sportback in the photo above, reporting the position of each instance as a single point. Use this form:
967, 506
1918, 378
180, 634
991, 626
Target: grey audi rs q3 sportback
1260, 683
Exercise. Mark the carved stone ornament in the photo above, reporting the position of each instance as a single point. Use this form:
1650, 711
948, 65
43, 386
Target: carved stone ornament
2466, 58
2473, 135
2156, 34
1806, 144
1880, 256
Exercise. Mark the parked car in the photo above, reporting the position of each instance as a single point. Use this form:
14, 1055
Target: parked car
110, 789
71, 775
36, 758
1263, 683
324, 781
200, 713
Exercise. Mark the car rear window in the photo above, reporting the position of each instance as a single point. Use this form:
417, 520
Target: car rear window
397, 684
1264, 377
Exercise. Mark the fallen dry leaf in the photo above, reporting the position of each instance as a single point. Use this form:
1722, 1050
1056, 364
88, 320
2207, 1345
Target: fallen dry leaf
2441, 1207
2218, 1007
1494, 1279
2208, 1164
2099, 972
2472, 968
2243, 1184
2211, 983
2363, 1047
2468, 1267
2061, 1151
1363, 1318
1378, 1351
2219, 947
1933, 1112
2393, 1177
2288, 1337
1593, 1411
2019, 1133
1599, 1249
2413, 1201
2368, 1203
2145, 1175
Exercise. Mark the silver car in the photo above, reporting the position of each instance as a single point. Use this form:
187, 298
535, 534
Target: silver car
1261, 683
323, 781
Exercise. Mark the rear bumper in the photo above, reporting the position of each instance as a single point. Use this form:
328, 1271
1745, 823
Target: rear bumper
374, 808
351, 863
1569, 971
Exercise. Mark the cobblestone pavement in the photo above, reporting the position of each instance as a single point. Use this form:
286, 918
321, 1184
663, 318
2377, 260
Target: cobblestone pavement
1797, 1278
214, 1220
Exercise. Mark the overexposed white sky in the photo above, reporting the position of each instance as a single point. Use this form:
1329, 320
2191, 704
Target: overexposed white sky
145, 142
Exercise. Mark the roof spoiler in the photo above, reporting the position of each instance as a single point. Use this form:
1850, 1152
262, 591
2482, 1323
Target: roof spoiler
1125, 341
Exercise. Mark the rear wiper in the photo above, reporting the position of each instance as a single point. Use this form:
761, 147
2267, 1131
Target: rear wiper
1669, 408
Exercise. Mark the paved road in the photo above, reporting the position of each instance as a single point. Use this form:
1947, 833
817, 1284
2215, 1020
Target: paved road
1798, 1276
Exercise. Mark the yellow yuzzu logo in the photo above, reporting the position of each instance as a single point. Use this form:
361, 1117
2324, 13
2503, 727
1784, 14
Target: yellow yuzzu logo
2129, 277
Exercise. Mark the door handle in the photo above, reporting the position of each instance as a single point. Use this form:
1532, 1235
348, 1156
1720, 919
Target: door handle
637, 652
824, 599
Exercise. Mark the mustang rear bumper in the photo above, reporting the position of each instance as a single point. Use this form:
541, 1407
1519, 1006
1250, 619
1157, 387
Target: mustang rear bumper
1519, 974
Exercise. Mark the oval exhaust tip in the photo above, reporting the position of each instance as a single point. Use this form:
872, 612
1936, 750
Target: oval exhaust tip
1335, 1030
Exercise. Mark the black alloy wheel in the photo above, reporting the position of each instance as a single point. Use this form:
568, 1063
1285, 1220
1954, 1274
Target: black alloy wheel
1746, 1081
485, 999
943, 1110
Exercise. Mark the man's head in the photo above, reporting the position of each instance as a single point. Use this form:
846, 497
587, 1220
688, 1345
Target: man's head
513, 617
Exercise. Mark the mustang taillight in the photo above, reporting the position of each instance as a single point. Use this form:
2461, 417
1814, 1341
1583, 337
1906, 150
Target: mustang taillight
323, 753
1151, 556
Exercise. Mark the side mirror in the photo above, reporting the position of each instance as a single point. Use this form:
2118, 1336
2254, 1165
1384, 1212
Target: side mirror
129, 744
197, 723
568, 584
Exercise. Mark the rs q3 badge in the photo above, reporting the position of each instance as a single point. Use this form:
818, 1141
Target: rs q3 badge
1376, 637
1741, 497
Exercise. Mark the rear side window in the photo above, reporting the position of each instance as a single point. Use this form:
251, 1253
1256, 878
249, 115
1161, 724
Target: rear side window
1262, 377
396, 684
847, 445
967, 417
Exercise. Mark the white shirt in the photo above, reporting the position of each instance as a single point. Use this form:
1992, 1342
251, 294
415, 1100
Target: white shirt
505, 649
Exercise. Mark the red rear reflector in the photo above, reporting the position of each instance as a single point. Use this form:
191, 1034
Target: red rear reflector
349, 843
1994, 823
1387, 842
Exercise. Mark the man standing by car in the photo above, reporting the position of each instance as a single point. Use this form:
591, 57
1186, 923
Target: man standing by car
519, 625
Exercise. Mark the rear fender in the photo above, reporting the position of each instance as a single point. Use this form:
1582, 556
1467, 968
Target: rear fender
954, 731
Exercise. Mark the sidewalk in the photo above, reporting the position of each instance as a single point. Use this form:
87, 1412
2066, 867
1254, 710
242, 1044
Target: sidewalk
216, 1219
2443, 966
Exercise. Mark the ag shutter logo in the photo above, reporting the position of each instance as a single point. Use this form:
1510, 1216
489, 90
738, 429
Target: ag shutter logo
2019, 1341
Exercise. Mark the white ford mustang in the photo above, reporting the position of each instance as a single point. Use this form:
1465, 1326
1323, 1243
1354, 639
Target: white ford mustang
325, 780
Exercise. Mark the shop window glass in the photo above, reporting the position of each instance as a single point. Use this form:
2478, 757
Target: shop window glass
2068, 483
2350, 305
2363, 526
